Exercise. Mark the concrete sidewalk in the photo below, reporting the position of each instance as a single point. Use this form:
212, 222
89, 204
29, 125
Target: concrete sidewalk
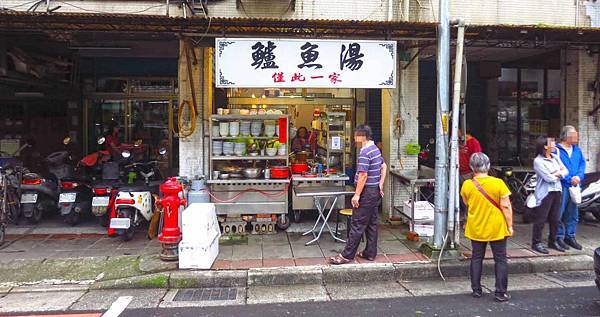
44, 254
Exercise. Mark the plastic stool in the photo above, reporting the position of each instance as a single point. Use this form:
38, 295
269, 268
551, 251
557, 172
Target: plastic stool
346, 213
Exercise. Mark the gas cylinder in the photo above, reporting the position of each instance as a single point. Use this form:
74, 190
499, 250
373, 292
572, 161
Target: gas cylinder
198, 192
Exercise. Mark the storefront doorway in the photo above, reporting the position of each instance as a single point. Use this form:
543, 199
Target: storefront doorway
144, 116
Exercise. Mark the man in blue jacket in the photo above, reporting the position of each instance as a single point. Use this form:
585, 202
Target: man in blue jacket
572, 158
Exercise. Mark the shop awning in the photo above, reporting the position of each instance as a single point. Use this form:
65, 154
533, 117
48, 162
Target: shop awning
11, 21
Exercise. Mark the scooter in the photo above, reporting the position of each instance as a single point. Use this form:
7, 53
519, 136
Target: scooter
135, 203
40, 194
590, 196
75, 193
74, 199
105, 185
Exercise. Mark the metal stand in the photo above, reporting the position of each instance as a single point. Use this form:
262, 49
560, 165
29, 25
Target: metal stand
321, 208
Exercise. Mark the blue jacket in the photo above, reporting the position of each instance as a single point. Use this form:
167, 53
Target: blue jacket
575, 164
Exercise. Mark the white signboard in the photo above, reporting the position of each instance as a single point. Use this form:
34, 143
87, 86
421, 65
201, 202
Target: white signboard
298, 63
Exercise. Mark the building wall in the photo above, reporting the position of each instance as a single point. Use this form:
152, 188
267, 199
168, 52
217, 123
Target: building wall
192, 155
400, 108
530, 12
581, 71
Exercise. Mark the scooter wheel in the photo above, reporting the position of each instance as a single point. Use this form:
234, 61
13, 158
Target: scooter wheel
2, 233
72, 218
36, 215
103, 220
283, 222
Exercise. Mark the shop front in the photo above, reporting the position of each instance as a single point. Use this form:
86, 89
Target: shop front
281, 123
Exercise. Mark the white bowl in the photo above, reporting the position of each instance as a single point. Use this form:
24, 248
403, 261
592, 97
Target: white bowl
271, 151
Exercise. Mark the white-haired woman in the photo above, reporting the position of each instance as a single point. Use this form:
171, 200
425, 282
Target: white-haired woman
489, 220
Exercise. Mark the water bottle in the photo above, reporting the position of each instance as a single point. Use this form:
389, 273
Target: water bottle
320, 169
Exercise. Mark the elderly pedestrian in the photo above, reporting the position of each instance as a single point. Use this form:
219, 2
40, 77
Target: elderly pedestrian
489, 220
549, 170
369, 179
572, 157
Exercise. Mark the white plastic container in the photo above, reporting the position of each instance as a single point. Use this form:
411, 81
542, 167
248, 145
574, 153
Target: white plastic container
198, 256
200, 236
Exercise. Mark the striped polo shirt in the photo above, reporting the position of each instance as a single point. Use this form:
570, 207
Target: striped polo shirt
369, 161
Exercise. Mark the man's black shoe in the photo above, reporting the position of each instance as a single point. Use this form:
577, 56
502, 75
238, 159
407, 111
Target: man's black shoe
562, 244
572, 242
502, 297
554, 245
477, 294
538, 247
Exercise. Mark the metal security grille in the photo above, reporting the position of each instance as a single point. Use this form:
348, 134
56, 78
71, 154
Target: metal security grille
572, 276
205, 294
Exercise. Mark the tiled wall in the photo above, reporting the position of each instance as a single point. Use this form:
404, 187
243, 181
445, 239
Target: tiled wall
582, 71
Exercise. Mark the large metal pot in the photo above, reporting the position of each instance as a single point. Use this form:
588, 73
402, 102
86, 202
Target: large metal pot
251, 172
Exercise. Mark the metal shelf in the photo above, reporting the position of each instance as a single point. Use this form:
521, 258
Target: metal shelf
234, 158
245, 137
247, 117
248, 181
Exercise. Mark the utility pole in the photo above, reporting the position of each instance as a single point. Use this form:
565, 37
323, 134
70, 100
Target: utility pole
441, 149
454, 203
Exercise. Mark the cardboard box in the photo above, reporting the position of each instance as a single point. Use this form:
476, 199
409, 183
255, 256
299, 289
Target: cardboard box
423, 210
423, 230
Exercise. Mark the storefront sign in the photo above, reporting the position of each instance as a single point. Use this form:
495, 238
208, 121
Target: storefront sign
297, 63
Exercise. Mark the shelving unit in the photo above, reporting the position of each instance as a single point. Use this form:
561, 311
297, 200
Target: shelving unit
242, 199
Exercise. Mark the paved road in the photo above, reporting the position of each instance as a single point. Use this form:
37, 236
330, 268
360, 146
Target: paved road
580, 301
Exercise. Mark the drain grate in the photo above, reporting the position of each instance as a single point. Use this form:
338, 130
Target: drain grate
572, 276
205, 294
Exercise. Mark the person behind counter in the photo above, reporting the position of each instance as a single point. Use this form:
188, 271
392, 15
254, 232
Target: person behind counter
303, 141
369, 179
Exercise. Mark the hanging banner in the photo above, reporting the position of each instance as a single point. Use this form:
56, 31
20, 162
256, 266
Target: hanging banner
299, 63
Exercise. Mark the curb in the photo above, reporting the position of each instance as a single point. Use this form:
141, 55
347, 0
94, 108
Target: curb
350, 273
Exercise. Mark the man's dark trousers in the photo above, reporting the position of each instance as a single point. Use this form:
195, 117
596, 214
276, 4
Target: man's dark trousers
364, 220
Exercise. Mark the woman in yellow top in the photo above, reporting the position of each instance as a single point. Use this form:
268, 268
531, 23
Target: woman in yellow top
489, 219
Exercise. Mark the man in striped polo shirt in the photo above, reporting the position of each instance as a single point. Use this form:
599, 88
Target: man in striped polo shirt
369, 179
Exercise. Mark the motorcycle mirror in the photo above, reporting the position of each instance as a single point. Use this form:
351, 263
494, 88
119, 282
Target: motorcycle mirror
101, 140
126, 154
138, 142
67, 140
162, 151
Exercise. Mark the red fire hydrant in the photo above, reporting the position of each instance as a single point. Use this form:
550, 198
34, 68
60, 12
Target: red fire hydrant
170, 234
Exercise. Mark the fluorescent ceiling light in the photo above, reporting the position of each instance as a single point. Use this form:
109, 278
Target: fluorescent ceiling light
28, 94
100, 48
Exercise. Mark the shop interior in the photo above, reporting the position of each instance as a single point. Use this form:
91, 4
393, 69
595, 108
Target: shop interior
313, 145
62, 92
512, 96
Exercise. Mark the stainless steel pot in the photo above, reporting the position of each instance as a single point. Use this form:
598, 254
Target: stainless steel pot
251, 172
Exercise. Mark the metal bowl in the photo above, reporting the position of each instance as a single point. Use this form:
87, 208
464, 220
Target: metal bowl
224, 176
251, 172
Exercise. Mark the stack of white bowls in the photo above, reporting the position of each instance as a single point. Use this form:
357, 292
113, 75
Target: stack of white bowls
228, 148
245, 128
282, 150
217, 148
224, 128
234, 128
270, 128
215, 130
256, 128
239, 149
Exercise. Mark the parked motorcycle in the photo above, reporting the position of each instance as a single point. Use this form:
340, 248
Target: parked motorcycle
590, 196
135, 201
426, 157
105, 183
